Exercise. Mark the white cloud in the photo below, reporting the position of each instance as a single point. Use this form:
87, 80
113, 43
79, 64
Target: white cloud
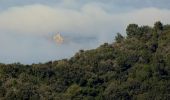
41, 19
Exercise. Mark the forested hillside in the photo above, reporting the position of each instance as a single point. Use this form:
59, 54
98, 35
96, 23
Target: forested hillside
134, 67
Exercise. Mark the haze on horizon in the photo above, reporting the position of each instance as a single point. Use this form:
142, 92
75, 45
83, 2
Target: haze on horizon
27, 27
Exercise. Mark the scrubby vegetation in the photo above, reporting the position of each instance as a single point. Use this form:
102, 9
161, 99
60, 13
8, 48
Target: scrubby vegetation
134, 67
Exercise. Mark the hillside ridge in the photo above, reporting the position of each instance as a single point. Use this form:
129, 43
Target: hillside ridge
135, 67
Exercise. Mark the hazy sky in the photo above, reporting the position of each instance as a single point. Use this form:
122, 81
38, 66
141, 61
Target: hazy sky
27, 26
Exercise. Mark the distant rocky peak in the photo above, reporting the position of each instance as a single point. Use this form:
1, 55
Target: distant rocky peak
58, 38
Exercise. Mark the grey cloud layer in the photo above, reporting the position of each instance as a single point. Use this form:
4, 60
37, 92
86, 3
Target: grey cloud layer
117, 4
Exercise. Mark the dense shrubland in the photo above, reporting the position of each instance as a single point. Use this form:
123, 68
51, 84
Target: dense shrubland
133, 67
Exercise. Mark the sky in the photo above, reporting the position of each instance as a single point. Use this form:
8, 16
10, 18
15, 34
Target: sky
27, 26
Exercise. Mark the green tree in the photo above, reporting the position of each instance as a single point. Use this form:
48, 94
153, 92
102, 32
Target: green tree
158, 26
119, 38
132, 30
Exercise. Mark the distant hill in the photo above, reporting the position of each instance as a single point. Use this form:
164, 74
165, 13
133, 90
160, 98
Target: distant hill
135, 67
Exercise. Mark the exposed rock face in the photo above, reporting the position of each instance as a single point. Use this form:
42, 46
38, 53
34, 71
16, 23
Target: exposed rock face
58, 38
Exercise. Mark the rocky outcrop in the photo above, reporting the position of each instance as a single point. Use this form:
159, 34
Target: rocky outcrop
58, 38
